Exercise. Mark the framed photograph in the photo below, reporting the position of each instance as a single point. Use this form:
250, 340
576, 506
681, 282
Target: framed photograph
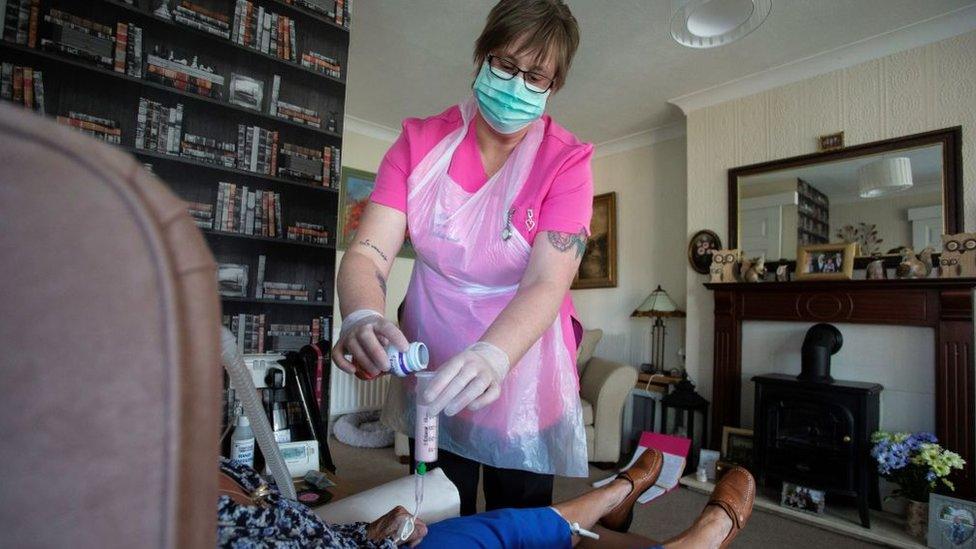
355, 186
737, 446
952, 523
708, 459
700, 250
246, 91
598, 268
825, 261
802, 498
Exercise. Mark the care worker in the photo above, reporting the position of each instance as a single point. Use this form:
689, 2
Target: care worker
497, 199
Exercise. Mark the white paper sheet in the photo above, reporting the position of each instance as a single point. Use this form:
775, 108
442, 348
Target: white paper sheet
671, 472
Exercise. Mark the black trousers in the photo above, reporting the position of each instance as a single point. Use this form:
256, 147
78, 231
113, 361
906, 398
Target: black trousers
504, 488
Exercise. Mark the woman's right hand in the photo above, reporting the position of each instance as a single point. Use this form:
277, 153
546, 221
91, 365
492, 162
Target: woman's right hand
365, 334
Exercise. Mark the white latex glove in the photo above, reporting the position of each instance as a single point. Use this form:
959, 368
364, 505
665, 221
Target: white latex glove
365, 334
471, 379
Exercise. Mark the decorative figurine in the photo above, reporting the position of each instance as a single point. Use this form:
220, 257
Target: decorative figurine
949, 264
965, 245
876, 270
163, 11
783, 273
753, 270
723, 265
320, 292
915, 267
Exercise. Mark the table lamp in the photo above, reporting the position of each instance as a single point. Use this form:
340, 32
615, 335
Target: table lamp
658, 305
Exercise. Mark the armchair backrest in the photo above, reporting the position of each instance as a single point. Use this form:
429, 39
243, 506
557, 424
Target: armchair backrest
109, 412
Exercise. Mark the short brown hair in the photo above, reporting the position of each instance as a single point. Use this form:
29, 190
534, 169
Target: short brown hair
547, 26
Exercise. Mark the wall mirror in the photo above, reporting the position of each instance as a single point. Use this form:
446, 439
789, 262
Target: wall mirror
903, 192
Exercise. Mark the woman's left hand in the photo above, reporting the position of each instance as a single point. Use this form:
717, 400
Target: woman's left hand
472, 379
388, 527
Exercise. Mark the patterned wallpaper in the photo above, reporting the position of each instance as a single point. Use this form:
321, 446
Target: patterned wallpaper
922, 89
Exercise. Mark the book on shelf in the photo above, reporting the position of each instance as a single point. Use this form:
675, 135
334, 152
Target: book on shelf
249, 331
675, 450
322, 63
128, 49
284, 291
202, 214
188, 76
201, 18
79, 37
23, 86
268, 32
104, 129
245, 211
259, 279
208, 150
257, 149
159, 128
20, 21
308, 232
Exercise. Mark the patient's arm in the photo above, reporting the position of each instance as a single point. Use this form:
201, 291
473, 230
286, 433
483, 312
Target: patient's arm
388, 527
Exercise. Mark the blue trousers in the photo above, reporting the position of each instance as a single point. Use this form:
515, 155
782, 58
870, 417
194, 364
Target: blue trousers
540, 527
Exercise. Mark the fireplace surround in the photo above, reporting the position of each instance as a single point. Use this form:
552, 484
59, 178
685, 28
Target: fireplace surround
946, 305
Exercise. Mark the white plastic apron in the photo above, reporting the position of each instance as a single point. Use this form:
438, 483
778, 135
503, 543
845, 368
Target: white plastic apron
465, 274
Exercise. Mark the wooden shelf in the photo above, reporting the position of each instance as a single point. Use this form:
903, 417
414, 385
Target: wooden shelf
284, 241
288, 303
159, 21
155, 85
216, 167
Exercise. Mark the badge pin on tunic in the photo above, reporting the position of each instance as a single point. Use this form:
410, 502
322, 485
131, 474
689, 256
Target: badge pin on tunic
507, 231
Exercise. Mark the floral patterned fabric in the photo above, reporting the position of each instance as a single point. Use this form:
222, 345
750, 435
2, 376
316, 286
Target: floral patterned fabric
281, 523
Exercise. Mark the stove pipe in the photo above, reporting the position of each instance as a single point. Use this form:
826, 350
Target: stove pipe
822, 341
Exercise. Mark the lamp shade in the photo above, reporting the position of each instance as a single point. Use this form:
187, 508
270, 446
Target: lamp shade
712, 23
884, 176
658, 304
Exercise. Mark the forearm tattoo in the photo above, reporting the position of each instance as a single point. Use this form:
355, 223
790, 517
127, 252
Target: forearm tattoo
382, 280
566, 241
368, 244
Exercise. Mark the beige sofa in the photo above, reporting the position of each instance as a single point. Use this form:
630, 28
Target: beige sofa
604, 389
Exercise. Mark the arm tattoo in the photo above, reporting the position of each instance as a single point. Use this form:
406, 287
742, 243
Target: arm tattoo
368, 244
564, 241
382, 281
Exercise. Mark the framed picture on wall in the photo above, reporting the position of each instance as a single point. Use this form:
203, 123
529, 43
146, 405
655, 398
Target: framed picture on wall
598, 268
355, 186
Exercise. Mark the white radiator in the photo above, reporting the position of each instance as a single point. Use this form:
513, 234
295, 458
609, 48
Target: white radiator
350, 394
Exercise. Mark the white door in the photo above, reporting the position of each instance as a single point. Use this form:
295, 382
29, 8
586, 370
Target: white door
926, 227
761, 233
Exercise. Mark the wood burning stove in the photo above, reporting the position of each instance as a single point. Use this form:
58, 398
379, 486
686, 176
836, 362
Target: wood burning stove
815, 431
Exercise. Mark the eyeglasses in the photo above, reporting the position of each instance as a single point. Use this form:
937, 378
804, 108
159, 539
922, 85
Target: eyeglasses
505, 69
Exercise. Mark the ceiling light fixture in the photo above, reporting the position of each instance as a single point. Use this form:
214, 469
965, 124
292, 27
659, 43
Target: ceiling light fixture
884, 176
713, 23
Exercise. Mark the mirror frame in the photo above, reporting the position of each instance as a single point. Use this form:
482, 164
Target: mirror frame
952, 187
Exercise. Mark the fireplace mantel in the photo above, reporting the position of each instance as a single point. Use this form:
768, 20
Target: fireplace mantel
946, 305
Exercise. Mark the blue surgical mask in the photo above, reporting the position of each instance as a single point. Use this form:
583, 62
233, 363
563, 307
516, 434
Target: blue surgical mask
506, 105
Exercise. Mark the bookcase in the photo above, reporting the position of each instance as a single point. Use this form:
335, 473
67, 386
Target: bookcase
162, 73
813, 215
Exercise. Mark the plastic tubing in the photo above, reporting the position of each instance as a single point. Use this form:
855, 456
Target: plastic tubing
248, 394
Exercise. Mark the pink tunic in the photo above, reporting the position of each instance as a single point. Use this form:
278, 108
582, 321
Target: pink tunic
558, 195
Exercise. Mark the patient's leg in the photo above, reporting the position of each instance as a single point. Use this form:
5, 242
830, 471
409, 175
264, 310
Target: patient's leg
591, 506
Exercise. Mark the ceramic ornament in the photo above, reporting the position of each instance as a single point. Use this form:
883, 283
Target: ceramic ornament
965, 245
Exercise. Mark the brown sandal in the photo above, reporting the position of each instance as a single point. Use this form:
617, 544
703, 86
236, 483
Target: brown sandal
735, 493
642, 475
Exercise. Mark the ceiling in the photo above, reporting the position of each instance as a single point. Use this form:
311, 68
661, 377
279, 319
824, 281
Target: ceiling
413, 57
838, 180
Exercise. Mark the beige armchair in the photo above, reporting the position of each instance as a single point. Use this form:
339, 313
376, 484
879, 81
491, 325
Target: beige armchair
604, 389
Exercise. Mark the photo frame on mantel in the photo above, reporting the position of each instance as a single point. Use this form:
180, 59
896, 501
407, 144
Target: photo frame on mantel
598, 268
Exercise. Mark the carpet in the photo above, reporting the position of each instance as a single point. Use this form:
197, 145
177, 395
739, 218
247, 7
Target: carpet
363, 468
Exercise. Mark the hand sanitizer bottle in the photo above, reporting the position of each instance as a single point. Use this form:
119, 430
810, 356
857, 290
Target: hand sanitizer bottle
242, 442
